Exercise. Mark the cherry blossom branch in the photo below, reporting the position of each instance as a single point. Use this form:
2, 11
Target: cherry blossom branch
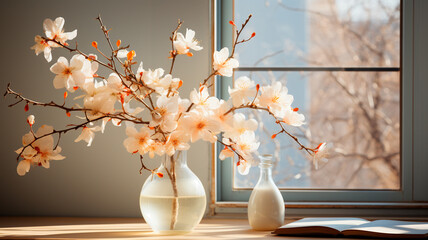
231, 147
103, 64
143, 167
277, 121
75, 127
106, 35
235, 43
21, 98
78, 51
127, 67
63, 131
238, 33
173, 51
123, 116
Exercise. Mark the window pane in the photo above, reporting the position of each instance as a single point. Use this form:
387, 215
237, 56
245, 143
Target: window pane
320, 33
358, 113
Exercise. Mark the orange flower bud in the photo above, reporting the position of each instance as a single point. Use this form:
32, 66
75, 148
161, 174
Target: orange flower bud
296, 109
68, 114
95, 44
232, 23
180, 84
258, 87
253, 35
273, 136
65, 95
131, 55
118, 43
189, 54
27, 107
159, 174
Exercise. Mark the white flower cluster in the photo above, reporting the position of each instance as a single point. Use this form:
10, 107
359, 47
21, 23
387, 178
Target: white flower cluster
174, 122
53, 30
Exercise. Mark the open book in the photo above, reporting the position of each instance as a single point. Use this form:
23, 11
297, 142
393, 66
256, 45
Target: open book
355, 227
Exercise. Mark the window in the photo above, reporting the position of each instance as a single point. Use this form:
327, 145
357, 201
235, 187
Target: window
344, 76
340, 51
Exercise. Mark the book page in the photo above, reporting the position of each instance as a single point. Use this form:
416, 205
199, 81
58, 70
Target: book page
392, 227
316, 225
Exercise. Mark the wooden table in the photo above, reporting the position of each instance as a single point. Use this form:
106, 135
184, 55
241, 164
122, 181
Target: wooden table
122, 228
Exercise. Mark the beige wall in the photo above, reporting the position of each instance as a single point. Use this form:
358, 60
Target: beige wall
101, 180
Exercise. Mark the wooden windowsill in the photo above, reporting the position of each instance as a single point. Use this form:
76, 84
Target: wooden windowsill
123, 228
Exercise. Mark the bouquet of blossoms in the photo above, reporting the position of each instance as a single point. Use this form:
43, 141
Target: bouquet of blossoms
158, 120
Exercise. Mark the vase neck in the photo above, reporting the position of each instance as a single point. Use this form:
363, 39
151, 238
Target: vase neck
265, 168
179, 159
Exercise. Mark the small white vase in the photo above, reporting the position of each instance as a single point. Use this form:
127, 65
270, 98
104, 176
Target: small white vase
175, 203
266, 208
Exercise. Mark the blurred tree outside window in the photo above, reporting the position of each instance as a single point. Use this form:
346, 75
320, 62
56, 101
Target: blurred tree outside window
340, 59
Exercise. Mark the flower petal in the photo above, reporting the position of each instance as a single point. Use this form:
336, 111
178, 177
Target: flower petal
71, 35
59, 23
23, 167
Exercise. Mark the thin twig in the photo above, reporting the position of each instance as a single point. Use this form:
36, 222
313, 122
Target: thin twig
173, 38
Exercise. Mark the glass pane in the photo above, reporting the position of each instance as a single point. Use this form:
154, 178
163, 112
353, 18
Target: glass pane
358, 113
345, 33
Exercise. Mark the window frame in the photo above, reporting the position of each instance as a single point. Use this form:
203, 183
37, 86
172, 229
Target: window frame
412, 195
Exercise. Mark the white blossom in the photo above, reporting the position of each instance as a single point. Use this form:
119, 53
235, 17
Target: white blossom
291, 117
246, 143
156, 148
101, 97
320, 154
42, 46
222, 64
88, 134
240, 125
54, 30
41, 151
244, 91
183, 44
202, 98
71, 75
275, 97
226, 153
243, 167
138, 141
164, 114
200, 125
176, 141
122, 53
224, 120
